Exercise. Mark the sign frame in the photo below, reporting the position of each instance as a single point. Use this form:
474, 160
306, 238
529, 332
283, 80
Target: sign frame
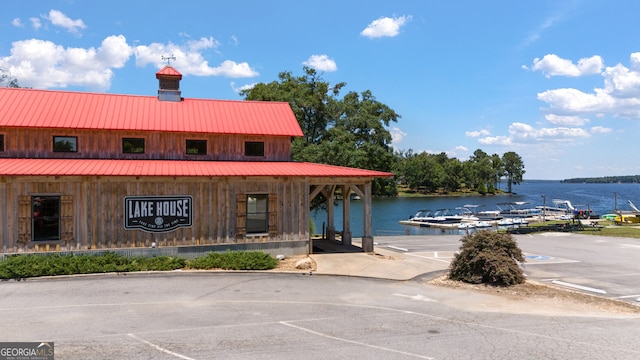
158, 214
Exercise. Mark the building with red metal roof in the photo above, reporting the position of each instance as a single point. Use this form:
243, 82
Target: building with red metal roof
85, 171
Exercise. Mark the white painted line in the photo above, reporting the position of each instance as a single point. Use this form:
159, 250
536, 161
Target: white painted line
417, 297
398, 248
161, 349
627, 296
430, 258
576, 286
355, 342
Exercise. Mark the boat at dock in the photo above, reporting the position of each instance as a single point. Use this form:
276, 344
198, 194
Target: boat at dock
483, 215
517, 209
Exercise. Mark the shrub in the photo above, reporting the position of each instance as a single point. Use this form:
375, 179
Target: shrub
234, 260
488, 257
33, 265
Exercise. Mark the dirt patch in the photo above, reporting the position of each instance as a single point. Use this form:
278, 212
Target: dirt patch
288, 264
546, 295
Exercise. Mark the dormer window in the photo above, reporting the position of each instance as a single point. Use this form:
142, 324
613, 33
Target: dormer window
1, 142
65, 144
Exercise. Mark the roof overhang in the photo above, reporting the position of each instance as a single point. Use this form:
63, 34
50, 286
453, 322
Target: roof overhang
104, 167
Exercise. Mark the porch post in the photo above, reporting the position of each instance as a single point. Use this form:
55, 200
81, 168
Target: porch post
331, 230
346, 215
367, 238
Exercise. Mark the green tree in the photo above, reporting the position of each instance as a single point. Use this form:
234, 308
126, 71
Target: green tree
351, 131
312, 100
482, 169
8, 79
498, 169
514, 168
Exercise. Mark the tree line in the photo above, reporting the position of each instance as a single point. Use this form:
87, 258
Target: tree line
625, 179
352, 131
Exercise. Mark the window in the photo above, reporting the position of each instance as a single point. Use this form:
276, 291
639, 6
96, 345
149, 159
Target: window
133, 146
196, 147
257, 213
254, 148
1, 142
45, 221
65, 144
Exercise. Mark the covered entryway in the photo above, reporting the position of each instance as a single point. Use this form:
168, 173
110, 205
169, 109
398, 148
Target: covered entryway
345, 189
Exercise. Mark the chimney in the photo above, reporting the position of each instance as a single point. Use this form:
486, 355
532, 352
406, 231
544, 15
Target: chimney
169, 84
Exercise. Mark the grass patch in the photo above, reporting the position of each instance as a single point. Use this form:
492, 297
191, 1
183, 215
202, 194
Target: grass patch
34, 265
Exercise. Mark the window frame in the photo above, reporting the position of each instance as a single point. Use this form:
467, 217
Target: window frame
199, 141
37, 226
251, 152
65, 138
132, 141
254, 217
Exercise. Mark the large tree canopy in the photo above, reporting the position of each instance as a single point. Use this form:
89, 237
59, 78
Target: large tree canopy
349, 131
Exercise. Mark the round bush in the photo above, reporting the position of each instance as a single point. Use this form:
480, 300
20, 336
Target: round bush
488, 257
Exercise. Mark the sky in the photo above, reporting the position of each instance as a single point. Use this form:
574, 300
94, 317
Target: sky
557, 82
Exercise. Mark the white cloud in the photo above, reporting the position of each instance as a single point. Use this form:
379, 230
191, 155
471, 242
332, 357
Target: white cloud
622, 82
189, 59
521, 131
17, 22
321, 62
537, 33
58, 18
474, 134
43, 64
461, 148
495, 140
237, 89
552, 65
566, 120
35, 23
573, 101
385, 26
600, 130
397, 135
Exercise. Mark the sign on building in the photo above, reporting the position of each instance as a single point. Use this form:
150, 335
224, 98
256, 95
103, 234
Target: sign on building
158, 213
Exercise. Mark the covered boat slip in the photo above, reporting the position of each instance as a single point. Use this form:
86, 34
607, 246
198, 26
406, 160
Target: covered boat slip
68, 213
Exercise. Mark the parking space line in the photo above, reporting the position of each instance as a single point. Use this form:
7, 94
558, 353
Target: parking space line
161, 349
354, 342
580, 287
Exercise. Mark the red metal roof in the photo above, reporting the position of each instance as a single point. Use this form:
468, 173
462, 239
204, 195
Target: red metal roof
100, 111
99, 167
168, 71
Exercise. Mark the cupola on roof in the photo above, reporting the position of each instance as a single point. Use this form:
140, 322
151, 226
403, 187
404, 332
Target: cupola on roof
169, 84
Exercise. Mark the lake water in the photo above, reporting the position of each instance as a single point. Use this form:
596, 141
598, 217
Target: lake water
387, 213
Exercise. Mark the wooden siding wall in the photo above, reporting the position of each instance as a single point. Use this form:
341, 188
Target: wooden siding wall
92, 144
92, 211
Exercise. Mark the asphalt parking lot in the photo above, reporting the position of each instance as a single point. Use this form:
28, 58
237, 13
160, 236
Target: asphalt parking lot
378, 308
599, 265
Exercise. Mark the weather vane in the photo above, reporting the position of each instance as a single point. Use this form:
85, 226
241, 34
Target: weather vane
168, 58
